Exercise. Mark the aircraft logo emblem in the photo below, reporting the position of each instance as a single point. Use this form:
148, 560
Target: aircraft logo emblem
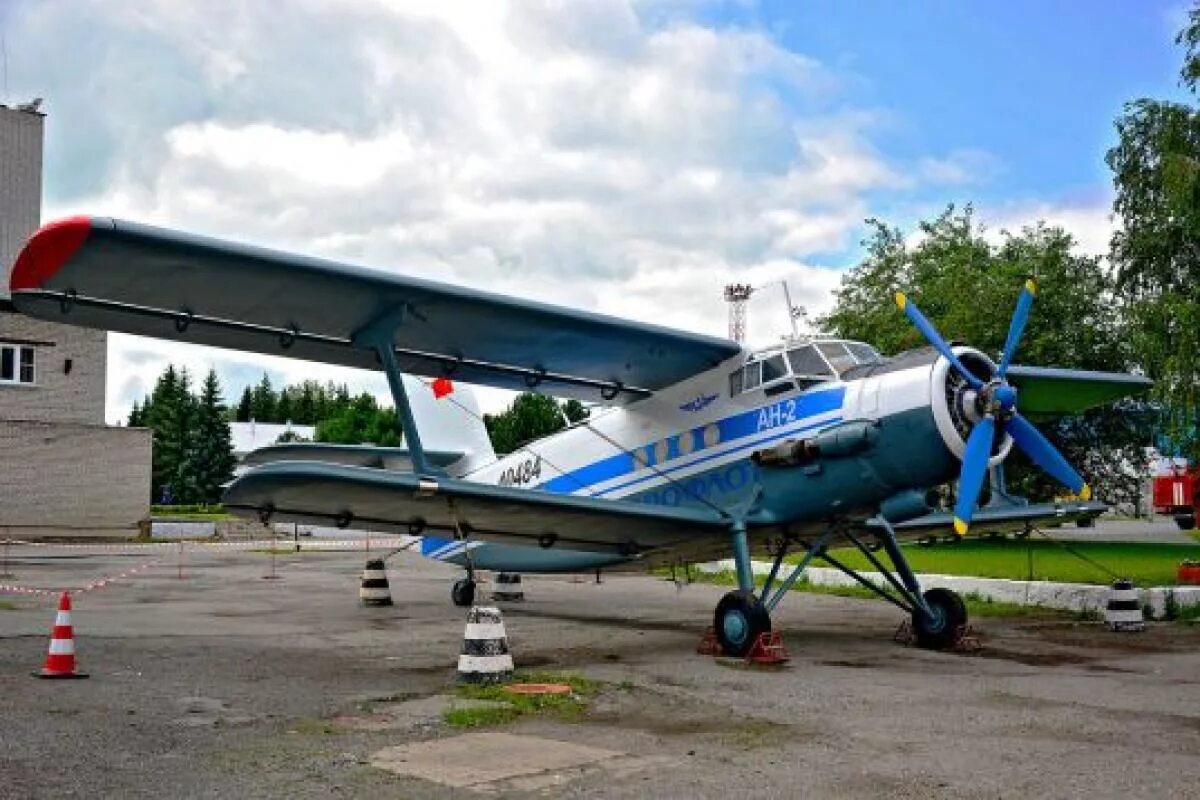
700, 403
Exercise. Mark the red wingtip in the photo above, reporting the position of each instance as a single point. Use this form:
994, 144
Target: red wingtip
442, 387
51, 246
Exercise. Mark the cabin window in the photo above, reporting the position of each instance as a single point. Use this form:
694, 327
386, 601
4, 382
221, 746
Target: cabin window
735, 382
16, 364
753, 377
837, 355
773, 369
806, 362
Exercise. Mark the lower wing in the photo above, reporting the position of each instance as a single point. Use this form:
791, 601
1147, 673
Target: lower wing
362, 497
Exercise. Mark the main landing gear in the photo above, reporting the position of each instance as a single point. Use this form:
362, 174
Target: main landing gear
939, 616
463, 591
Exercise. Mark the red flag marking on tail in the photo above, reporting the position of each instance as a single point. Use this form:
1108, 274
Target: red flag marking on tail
442, 387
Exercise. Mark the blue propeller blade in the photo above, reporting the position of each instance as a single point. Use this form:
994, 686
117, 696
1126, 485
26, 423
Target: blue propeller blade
1017, 326
934, 338
975, 464
1044, 454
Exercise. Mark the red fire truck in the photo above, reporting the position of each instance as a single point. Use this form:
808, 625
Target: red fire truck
1175, 495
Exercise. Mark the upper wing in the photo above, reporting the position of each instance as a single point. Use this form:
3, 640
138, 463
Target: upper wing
1052, 392
122, 276
306, 491
359, 455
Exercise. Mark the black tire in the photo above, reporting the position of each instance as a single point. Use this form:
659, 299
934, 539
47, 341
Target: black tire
1085, 522
463, 593
739, 619
1186, 523
950, 615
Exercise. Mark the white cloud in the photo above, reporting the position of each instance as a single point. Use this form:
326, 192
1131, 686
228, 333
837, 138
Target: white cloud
571, 152
1091, 223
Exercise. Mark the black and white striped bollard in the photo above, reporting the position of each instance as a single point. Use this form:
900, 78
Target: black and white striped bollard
485, 657
375, 590
508, 588
1124, 609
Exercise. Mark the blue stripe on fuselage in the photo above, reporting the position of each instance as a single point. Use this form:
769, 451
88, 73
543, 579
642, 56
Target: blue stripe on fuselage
738, 426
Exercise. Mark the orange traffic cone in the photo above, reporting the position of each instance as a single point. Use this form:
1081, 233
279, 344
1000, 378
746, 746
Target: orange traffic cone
60, 661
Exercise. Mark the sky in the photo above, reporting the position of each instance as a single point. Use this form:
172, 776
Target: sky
629, 157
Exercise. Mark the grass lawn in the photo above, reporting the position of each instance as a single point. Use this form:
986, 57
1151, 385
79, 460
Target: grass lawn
977, 605
1038, 559
216, 517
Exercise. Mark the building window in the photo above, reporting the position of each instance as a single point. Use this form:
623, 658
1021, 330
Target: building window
16, 364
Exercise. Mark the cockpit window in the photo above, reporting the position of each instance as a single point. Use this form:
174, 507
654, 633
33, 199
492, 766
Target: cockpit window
806, 362
864, 353
837, 355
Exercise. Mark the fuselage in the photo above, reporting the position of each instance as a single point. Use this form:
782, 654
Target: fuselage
695, 444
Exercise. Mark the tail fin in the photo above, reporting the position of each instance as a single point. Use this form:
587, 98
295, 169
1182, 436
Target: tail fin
448, 418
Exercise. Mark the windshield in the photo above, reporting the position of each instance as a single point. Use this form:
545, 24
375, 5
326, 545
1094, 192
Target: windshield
806, 362
837, 355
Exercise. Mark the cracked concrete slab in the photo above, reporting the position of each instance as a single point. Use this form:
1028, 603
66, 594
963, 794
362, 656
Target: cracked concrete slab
473, 759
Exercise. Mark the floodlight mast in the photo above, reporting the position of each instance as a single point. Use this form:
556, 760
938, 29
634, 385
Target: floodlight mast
736, 294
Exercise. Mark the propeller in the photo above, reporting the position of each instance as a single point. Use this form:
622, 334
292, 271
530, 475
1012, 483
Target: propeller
996, 400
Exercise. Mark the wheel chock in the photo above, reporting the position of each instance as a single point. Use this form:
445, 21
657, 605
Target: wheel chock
768, 649
709, 646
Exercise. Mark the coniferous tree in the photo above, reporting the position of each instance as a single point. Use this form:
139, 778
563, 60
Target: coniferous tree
184, 482
166, 414
245, 407
211, 459
263, 401
283, 408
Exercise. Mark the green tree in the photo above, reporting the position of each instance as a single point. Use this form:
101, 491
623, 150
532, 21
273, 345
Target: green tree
361, 421
136, 419
168, 413
263, 401
967, 284
210, 460
575, 411
1156, 252
283, 408
245, 407
530, 416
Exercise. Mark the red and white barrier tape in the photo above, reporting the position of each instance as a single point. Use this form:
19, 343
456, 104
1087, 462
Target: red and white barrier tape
99, 583
380, 542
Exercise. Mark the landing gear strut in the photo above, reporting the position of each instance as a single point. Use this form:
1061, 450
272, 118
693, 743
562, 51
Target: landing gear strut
939, 616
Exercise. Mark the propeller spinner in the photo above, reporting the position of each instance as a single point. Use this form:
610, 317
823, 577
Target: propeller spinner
997, 400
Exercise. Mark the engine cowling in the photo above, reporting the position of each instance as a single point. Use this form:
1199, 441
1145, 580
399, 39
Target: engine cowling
955, 410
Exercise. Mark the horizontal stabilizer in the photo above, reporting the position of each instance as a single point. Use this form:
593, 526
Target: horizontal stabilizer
381, 500
123, 276
357, 455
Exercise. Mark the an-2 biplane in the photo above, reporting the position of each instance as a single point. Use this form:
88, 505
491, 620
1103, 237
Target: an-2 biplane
705, 449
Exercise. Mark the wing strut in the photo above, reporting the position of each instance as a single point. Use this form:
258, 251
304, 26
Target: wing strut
380, 336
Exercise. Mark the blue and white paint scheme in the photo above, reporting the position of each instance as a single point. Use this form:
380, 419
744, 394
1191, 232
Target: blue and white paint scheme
705, 448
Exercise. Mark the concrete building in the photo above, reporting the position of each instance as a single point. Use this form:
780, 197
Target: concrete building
62, 470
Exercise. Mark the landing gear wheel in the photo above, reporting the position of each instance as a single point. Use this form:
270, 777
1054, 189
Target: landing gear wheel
463, 593
738, 621
949, 616
1185, 522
